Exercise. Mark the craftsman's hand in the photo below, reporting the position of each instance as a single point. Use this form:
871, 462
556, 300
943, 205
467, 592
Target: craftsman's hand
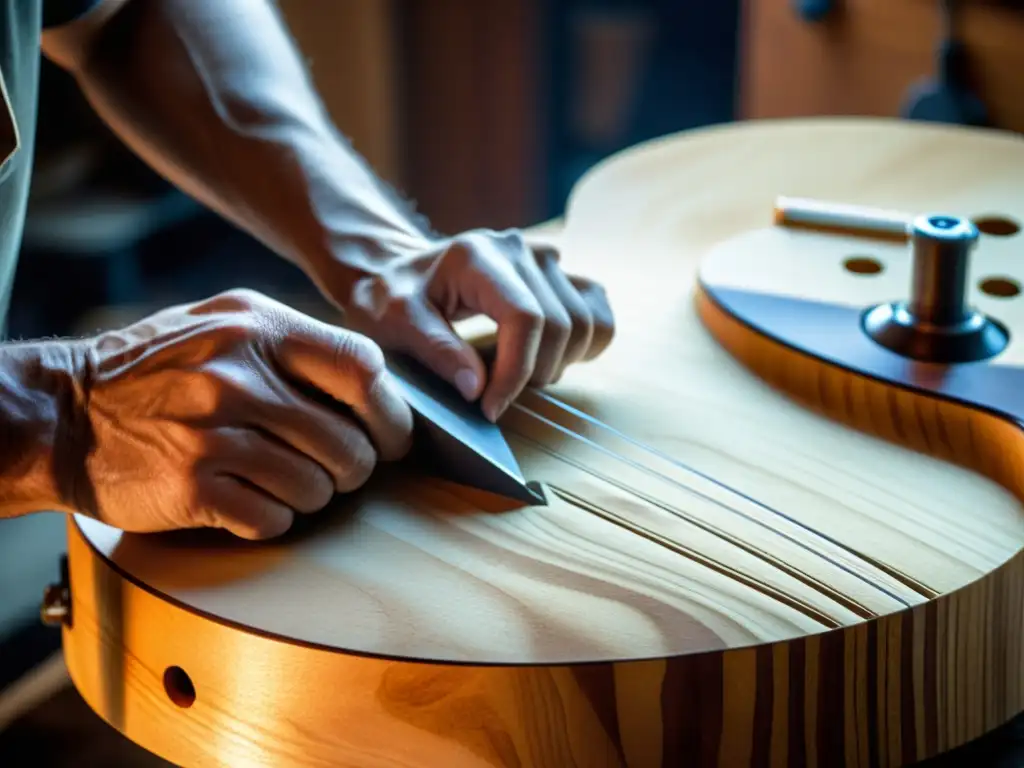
234, 413
546, 319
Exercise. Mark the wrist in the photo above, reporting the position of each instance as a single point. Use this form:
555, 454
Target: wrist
42, 418
356, 257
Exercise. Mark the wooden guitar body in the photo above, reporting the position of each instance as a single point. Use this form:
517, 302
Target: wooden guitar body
768, 542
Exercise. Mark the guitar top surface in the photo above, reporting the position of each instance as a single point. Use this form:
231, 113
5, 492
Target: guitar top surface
691, 506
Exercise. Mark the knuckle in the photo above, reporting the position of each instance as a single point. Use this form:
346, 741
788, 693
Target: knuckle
558, 324
582, 324
477, 245
201, 395
463, 253
515, 248
403, 308
511, 238
605, 326
604, 323
547, 255
361, 356
318, 488
240, 331
521, 256
577, 347
530, 318
580, 316
383, 300
192, 448
244, 299
604, 334
362, 460
200, 514
204, 508
249, 328
258, 320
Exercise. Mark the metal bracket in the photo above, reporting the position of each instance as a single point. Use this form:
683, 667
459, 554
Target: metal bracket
55, 610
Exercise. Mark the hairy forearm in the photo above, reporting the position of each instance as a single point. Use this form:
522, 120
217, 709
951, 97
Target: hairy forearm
39, 449
214, 96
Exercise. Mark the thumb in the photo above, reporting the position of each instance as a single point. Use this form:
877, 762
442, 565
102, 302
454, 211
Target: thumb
432, 340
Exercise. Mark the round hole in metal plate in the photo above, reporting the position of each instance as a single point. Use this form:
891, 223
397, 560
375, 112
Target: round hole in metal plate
862, 265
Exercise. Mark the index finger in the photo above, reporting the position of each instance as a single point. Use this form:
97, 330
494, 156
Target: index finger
496, 290
518, 342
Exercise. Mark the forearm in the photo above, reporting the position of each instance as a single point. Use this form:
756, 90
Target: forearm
38, 443
214, 96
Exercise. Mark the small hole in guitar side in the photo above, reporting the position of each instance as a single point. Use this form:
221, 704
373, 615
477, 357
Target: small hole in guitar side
998, 226
1000, 287
862, 265
179, 688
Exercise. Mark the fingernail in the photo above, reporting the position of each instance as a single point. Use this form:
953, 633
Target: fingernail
466, 381
495, 411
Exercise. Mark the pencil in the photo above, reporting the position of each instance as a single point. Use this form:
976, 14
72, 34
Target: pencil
860, 221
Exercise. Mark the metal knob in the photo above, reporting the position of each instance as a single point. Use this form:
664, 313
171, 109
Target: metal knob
942, 248
937, 324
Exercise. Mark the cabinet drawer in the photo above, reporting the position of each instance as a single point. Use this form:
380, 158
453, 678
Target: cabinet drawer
863, 58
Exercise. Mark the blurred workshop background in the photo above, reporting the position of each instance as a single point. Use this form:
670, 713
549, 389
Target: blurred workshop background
485, 113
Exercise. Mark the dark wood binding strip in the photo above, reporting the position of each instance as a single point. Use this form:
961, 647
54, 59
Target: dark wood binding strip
797, 675
710, 701
597, 683
874, 730
764, 696
691, 702
831, 695
909, 701
1000, 657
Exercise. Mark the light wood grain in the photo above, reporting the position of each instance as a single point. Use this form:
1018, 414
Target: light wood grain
723, 576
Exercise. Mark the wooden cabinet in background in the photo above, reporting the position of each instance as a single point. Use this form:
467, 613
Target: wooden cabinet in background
444, 98
863, 58
351, 52
474, 110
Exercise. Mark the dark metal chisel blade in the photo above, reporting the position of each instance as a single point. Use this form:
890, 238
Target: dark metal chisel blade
460, 443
